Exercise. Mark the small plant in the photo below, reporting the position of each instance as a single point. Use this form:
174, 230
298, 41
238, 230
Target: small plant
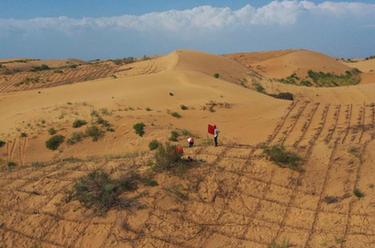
149, 182
216, 75
23, 135
148, 109
153, 145
355, 151
186, 133
11, 165
330, 199
52, 131
94, 132
358, 193
79, 123
259, 88
139, 128
167, 157
54, 142
2, 143
184, 107
75, 138
176, 115
282, 157
174, 136
284, 244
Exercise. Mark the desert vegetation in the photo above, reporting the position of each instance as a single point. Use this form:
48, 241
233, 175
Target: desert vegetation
54, 142
153, 145
282, 157
139, 128
2, 143
79, 123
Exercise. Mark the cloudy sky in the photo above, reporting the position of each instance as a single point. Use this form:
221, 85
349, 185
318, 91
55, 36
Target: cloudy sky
119, 28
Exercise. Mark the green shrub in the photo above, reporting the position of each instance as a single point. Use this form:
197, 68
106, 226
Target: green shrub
75, 138
282, 157
153, 145
176, 115
358, 193
79, 123
52, 131
174, 136
284, 244
100, 192
184, 107
94, 132
149, 182
54, 142
2, 143
40, 68
139, 128
186, 133
167, 157
259, 88
11, 165
216, 75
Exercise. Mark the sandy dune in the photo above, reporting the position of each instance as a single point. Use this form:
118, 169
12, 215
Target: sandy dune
234, 197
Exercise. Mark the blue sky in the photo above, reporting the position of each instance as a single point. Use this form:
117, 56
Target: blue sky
117, 28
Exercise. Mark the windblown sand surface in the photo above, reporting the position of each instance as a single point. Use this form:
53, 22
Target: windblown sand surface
234, 197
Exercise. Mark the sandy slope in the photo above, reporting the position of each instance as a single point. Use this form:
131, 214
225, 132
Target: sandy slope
367, 67
281, 64
234, 197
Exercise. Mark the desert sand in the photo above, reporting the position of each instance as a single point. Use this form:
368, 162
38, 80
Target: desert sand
235, 196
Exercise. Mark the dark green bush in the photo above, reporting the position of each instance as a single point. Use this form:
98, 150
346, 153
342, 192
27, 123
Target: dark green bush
184, 107
283, 158
259, 88
358, 193
54, 142
153, 145
94, 132
139, 128
2, 143
176, 115
216, 75
79, 123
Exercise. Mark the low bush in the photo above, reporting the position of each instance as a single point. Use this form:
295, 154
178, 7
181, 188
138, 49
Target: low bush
154, 144
176, 115
11, 165
358, 193
259, 88
184, 107
139, 128
283, 95
42, 67
75, 138
2, 143
79, 123
94, 132
167, 157
216, 75
100, 192
174, 136
52, 131
283, 158
54, 142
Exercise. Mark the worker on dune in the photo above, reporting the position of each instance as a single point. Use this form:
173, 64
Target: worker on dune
216, 135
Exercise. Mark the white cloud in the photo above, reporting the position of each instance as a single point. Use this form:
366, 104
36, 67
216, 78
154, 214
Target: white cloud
201, 18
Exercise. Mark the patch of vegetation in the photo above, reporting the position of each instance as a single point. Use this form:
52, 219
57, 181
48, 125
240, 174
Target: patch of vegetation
167, 157
23, 135
94, 132
79, 123
153, 145
176, 115
283, 158
284, 244
186, 133
42, 67
174, 136
52, 131
358, 193
292, 79
149, 182
54, 142
58, 71
322, 79
75, 138
330, 199
99, 191
38, 164
148, 109
184, 107
105, 111
11, 165
139, 128
370, 57
355, 151
283, 95
259, 88
216, 75
2, 143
